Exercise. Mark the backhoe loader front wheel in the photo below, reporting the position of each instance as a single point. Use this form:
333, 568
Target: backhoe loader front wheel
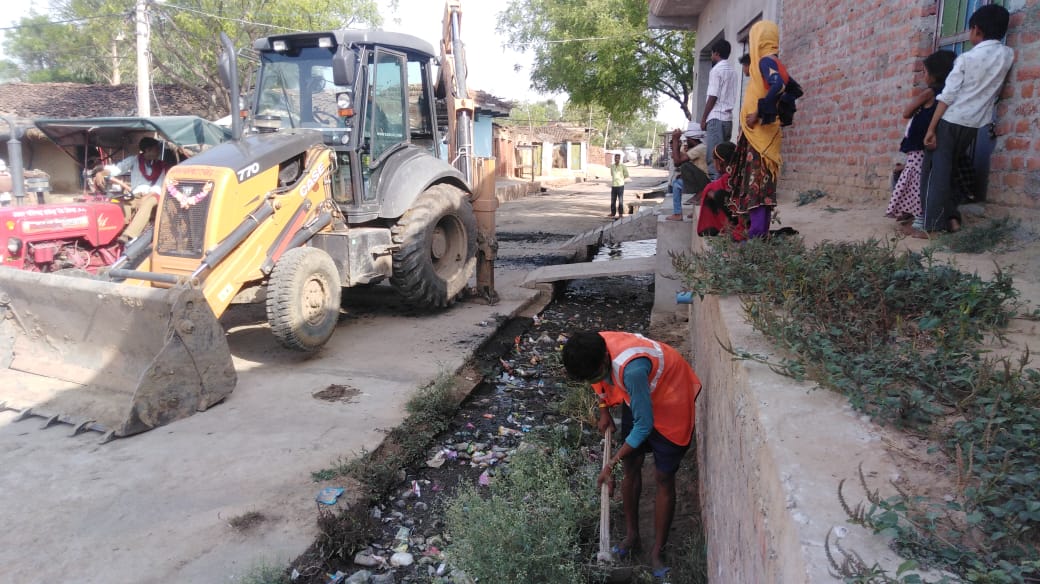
436, 247
303, 296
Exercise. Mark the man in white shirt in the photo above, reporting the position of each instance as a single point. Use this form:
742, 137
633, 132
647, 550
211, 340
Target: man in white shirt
717, 119
147, 171
964, 106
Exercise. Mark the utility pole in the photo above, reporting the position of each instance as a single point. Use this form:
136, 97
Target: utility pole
117, 59
606, 133
144, 37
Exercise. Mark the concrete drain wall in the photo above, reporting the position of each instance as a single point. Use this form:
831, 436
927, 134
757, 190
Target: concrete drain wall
771, 453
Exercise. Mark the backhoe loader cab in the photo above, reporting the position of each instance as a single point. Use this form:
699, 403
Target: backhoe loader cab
369, 93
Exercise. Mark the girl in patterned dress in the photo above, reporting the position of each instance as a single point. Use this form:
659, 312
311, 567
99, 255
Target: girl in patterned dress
905, 204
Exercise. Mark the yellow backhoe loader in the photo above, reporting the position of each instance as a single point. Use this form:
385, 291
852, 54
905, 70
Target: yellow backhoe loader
334, 179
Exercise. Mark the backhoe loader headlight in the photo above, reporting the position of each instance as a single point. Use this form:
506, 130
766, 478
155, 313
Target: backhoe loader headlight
279, 46
14, 246
325, 42
345, 103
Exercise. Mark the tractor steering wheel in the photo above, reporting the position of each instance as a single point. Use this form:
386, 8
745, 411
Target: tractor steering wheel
324, 118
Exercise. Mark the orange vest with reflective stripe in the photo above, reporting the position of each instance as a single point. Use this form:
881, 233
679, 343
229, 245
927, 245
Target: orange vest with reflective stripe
673, 384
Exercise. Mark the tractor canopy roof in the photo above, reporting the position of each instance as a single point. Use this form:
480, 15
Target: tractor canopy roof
114, 133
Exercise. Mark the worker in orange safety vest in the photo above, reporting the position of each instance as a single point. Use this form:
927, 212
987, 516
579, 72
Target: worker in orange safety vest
656, 389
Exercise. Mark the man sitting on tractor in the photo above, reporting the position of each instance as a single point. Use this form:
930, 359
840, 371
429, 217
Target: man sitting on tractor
147, 171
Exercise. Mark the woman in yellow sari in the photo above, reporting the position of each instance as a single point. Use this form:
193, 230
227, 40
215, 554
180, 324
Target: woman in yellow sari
756, 167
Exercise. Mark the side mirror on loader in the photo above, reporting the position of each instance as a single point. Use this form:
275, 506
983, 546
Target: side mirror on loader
344, 67
224, 64
227, 68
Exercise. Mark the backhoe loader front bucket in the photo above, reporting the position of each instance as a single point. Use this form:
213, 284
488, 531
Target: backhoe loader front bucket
111, 357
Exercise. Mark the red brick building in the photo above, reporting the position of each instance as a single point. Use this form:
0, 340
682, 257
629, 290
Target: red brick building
860, 62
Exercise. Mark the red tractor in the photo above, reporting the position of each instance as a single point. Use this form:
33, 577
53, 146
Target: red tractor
83, 234
48, 238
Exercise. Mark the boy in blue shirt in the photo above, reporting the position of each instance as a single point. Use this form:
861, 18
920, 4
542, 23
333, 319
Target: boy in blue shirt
965, 105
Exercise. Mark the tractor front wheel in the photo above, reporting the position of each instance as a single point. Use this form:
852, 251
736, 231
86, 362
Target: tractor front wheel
303, 296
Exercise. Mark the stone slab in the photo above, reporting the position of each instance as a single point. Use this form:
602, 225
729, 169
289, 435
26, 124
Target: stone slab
580, 271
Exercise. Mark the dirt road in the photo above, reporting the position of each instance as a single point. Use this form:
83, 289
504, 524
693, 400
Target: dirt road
155, 507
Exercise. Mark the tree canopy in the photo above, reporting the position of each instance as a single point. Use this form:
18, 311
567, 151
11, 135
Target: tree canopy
600, 52
535, 113
93, 41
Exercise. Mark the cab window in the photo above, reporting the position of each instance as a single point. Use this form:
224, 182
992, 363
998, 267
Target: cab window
386, 121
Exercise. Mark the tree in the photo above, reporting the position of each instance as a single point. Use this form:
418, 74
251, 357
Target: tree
535, 114
185, 40
93, 41
601, 52
42, 51
643, 133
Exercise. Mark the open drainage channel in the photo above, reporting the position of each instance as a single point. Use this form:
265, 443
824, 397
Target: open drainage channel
518, 399
528, 389
643, 248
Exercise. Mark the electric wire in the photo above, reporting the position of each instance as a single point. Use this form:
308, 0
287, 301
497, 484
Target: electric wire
227, 18
67, 21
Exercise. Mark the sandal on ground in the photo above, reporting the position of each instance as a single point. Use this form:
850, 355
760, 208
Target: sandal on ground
620, 552
911, 231
661, 573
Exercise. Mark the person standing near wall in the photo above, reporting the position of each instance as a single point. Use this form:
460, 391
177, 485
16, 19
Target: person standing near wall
905, 203
965, 105
717, 119
754, 173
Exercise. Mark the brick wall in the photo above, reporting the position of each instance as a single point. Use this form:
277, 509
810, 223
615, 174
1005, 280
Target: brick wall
597, 155
860, 62
1015, 166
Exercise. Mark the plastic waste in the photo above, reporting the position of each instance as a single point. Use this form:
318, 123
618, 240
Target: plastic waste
329, 495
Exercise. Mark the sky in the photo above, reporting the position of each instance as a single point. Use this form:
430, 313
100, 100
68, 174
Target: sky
491, 67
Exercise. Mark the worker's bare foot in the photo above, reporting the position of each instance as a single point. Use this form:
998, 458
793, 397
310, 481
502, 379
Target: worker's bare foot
657, 564
674, 218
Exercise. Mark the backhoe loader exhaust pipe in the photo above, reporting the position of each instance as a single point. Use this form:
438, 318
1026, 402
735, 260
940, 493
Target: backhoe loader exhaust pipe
110, 357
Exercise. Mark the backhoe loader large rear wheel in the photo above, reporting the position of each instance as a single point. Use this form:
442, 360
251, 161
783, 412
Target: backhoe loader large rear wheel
303, 296
437, 247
